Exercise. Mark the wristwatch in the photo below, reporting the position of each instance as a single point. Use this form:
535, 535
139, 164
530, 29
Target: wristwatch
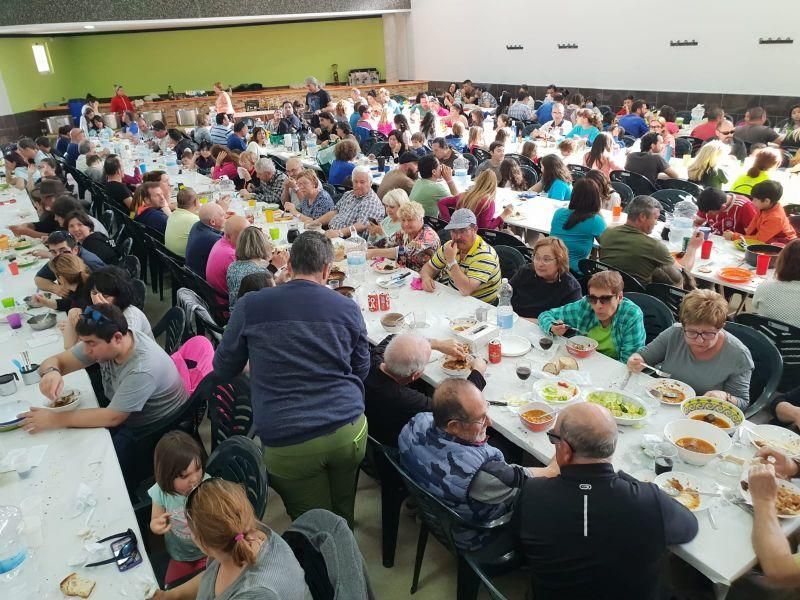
452, 264
49, 370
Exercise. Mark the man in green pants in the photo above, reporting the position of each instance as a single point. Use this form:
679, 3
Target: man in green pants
308, 353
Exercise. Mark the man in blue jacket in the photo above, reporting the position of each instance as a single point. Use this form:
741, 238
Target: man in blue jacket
309, 355
633, 123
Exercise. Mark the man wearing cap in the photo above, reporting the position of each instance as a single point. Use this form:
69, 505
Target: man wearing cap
43, 198
466, 262
403, 177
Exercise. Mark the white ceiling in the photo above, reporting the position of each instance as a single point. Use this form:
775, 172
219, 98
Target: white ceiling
106, 26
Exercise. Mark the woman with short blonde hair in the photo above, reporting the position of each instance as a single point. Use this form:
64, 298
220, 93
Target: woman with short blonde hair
700, 353
392, 201
253, 254
704, 169
414, 243
315, 201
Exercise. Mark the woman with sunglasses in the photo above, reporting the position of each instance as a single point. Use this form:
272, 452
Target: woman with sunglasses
614, 322
700, 353
246, 559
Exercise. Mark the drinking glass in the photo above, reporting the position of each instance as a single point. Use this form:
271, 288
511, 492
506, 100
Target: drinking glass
420, 319
524, 370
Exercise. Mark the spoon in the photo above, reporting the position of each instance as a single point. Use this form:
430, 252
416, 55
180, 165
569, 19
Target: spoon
17, 364
665, 395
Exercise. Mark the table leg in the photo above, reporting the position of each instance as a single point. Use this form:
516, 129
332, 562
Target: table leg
721, 590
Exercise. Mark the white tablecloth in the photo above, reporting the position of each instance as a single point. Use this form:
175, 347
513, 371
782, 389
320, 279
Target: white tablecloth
722, 555
47, 496
16, 208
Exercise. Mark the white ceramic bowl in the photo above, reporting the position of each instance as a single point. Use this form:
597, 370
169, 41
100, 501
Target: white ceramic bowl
683, 428
699, 406
597, 397
463, 373
67, 407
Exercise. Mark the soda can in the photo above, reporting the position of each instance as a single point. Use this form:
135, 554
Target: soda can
494, 351
372, 302
383, 300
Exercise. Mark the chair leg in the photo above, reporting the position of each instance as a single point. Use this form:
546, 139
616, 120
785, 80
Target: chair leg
468, 583
421, 543
391, 501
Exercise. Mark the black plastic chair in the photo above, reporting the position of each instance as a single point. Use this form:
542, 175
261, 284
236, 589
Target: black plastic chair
683, 146
683, 185
132, 265
578, 171
625, 192
139, 293
523, 161
239, 459
435, 223
670, 295
589, 267
229, 408
443, 522
494, 593
125, 247
786, 339
393, 492
529, 174
640, 184
473, 163
280, 164
657, 315
494, 237
481, 155
198, 316
173, 326
510, 259
768, 365
696, 143
378, 148
670, 197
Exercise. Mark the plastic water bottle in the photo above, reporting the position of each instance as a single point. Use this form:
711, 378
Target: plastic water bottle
13, 550
460, 169
311, 144
505, 314
357, 260
295, 144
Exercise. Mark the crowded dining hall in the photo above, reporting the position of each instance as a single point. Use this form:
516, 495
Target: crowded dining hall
454, 327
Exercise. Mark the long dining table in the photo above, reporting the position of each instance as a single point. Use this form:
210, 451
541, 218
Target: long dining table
722, 551
76, 494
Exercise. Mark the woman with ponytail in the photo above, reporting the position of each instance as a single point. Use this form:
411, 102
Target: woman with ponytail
246, 558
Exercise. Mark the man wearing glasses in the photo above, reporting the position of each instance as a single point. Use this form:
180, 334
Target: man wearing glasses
61, 242
141, 380
591, 531
725, 131
446, 452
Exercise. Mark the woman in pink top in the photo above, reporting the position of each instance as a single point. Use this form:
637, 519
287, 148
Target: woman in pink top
223, 102
227, 163
599, 156
480, 200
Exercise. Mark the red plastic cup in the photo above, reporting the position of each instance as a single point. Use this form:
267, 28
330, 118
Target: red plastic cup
13, 267
762, 264
705, 249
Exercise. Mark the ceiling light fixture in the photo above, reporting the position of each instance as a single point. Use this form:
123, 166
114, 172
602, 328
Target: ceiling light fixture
88, 26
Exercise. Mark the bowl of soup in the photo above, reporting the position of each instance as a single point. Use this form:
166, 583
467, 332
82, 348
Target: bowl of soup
537, 416
722, 414
698, 442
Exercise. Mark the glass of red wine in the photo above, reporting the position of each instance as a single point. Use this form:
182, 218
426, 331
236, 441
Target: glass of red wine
524, 370
545, 343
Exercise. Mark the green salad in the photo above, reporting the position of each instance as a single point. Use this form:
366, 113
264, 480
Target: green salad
618, 405
558, 392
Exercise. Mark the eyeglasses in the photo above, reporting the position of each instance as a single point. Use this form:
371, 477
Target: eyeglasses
544, 259
125, 551
601, 299
656, 127
707, 336
554, 438
94, 315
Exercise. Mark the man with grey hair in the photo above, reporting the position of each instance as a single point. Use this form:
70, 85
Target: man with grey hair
307, 391
631, 248
591, 531
446, 453
355, 208
294, 166
391, 395
558, 126
316, 98
268, 183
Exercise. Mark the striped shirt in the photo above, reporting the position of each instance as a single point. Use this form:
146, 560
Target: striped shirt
519, 110
480, 263
219, 135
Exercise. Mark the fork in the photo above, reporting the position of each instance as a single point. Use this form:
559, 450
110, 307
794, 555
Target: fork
658, 372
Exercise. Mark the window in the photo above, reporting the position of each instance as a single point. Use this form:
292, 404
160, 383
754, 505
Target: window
42, 58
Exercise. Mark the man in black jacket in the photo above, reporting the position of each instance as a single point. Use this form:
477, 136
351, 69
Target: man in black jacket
593, 532
397, 362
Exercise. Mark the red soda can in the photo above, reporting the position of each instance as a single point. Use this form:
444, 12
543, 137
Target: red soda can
384, 302
494, 351
372, 302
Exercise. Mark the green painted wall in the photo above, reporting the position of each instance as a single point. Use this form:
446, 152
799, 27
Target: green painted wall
273, 55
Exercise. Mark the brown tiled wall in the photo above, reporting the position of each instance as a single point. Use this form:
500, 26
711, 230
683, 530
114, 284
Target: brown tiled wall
777, 107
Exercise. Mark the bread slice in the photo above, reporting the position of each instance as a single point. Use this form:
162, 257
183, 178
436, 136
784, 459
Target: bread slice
567, 363
551, 368
73, 585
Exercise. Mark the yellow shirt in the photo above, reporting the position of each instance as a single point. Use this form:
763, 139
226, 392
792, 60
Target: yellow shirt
480, 263
177, 233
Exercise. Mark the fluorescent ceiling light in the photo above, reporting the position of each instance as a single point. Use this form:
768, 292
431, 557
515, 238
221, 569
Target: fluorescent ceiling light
41, 58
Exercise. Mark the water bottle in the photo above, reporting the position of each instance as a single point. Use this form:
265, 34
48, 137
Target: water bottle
13, 550
295, 144
505, 314
311, 144
697, 113
357, 259
460, 169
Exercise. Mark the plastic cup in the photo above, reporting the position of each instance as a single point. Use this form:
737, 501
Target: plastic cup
8, 302
251, 203
13, 268
15, 320
3, 242
705, 249
274, 233
762, 264
616, 211
269, 215
706, 231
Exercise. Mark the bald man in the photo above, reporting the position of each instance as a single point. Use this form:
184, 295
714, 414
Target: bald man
293, 168
203, 235
593, 532
222, 254
397, 362
76, 136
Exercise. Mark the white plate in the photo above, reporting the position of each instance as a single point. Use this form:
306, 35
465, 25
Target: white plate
9, 409
514, 345
785, 439
781, 482
463, 374
665, 385
435, 356
390, 281
539, 386
686, 480
380, 266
